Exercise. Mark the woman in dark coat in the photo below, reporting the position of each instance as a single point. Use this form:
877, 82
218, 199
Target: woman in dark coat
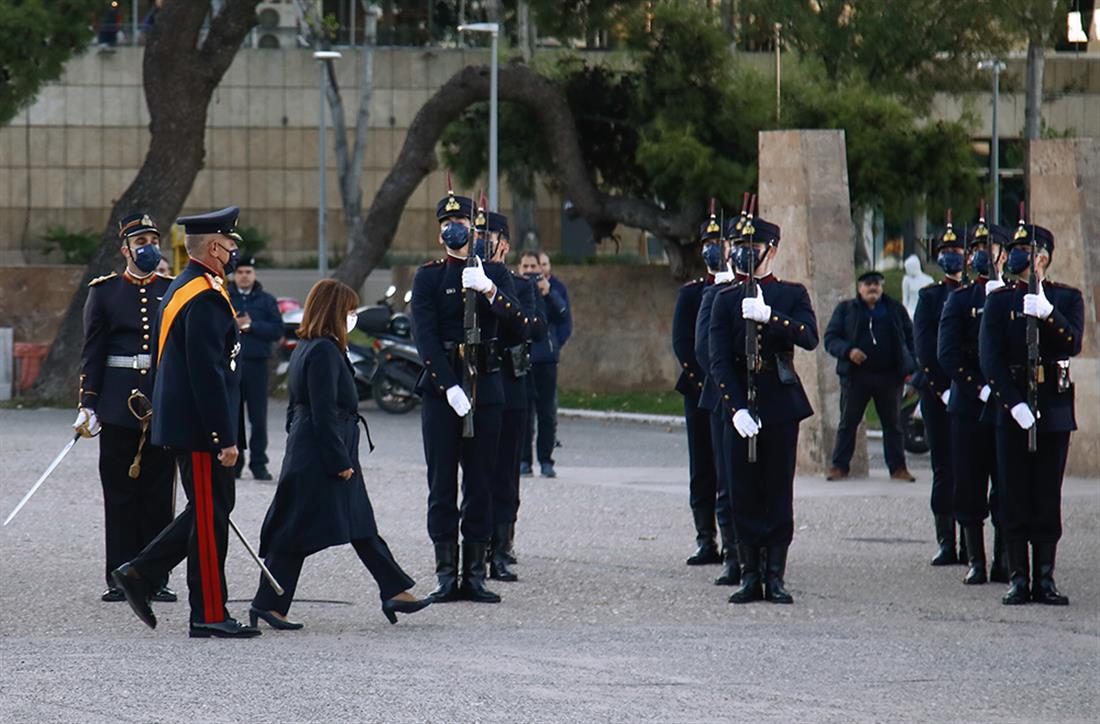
322, 500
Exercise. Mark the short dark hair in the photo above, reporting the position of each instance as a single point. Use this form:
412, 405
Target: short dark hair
529, 253
326, 312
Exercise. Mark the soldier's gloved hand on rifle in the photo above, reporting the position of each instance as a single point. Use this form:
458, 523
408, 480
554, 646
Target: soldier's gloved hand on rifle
474, 277
87, 424
1021, 413
744, 423
993, 285
458, 401
754, 308
945, 397
983, 394
1037, 305
724, 276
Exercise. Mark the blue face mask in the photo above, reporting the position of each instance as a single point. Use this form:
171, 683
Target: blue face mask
745, 259
455, 236
145, 257
230, 266
979, 262
712, 257
1018, 260
950, 261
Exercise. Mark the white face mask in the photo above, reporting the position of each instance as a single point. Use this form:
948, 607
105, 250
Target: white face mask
353, 319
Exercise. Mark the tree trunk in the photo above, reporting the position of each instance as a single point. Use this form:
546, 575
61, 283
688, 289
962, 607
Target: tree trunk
526, 31
179, 79
519, 84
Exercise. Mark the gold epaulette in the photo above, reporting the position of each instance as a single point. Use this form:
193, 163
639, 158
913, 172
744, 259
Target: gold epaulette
100, 280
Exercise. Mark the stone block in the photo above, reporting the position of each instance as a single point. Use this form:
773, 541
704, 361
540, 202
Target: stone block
82, 70
402, 64
275, 188
48, 108
123, 67
55, 146
220, 187
383, 68
37, 188
36, 146
382, 109
300, 107
235, 154
804, 189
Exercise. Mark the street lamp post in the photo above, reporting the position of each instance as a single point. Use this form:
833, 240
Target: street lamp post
322, 57
994, 144
494, 31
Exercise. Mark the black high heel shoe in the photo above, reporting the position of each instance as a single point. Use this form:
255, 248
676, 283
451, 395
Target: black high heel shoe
392, 606
272, 621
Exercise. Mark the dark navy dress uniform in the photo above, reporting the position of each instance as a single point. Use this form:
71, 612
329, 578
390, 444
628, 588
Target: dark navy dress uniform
702, 486
256, 341
1032, 481
117, 360
196, 414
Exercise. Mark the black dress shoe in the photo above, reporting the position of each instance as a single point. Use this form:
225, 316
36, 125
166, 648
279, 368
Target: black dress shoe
774, 590
752, 588
164, 594
1043, 589
392, 606
1018, 593
945, 537
113, 595
706, 554
261, 473
136, 591
227, 629
282, 624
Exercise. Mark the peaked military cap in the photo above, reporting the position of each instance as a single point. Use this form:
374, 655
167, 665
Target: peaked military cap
451, 205
990, 232
733, 228
135, 224
498, 222
222, 221
247, 261
710, 229
948, 238
760, 230
1044, 239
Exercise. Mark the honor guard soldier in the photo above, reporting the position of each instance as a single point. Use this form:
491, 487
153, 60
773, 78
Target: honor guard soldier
973, 447
441, 333
716, 258
1032, 434
935, 390
702, 483
194, 414
764, 402
515, 346
116, 365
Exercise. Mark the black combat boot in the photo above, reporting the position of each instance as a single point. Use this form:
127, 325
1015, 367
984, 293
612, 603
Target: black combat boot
975, 551
706, 551
731, 569
774, 592
498, 561
945, 537
446, 573
1043, 589
751, 588
1017, 594
473, 574
998, 570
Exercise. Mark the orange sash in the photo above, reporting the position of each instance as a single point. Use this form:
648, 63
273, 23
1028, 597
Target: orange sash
183, 295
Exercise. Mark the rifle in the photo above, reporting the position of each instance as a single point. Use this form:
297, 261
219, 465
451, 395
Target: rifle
989, 247
1032, 345
467, 351
752, 346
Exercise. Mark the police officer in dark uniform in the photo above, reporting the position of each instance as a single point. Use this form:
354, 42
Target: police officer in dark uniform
437, 315
935, 390
703, 481
716, 258
137, 476
973, 451
194, 413
762, 492
1031, 492
515, 364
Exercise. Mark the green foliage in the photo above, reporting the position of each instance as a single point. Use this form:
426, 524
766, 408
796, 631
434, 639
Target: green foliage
76, 247
651, 403
566, 19
253, 244
38, 37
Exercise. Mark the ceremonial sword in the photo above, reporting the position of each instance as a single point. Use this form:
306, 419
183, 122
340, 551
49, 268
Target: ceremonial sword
263, 569
38, 483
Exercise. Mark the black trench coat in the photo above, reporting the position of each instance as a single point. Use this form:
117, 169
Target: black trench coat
313, 508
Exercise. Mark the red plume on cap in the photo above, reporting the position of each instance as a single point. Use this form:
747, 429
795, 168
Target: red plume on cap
711, 209
752, 205
450, 186
1023, 215
745, 203
949, 218
981, 212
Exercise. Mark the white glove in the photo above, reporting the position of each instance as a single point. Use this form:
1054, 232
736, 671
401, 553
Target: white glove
474, 277
945, 396
755, 309
744, 423
458, 401
993, 285
87, 424
983, 394
1037, 305
723, 277
1021, 413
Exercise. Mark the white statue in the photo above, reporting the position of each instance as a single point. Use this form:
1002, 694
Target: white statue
913, 281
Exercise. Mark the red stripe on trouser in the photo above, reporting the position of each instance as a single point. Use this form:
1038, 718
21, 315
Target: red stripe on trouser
208, 549
200, 517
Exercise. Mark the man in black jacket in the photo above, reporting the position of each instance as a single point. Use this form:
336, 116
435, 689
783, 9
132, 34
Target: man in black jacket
872, 338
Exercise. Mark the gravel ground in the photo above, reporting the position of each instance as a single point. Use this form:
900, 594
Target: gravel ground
606, 624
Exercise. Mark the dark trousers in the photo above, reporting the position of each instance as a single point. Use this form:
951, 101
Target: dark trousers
254, 374
762, 493
134, 510
1031, 495
543, 393
287, 567
723, 510
199, 534
855, 393
505, 488
445, 450
974, 458
937, 430
702, 481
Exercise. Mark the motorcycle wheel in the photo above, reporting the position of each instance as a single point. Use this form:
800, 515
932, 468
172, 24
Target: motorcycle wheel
391, 399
